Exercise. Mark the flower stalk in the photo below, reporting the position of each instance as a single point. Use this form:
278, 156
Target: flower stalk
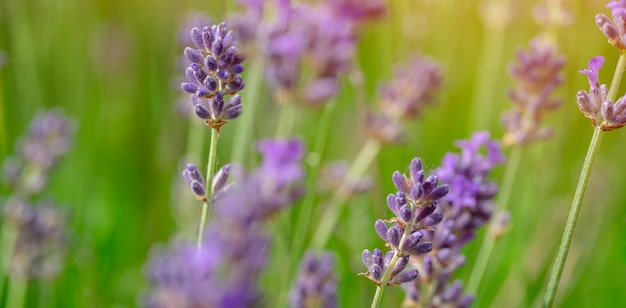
572, 219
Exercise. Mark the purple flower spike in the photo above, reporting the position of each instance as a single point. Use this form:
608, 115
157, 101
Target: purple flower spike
281, 160
316, 282
595, 64
213, 72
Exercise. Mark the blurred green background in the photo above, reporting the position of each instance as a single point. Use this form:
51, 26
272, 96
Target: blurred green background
111, 65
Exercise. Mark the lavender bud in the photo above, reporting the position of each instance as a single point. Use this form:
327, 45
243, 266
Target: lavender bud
405, 276
217, 104
421, 249
367, 258
210, 83
416, 193
235, 85
223, 75
217, 48
196, 37
191, 75
210, 63
201, 111
232, 112
197, 188
393, 236
381, 229
233, 101
387, 260
228, 38
400, 181
424, 212
432, 220
193, 55
391, 203
377, 257
405, 213
189, 87
438, 192
606, 26
207, 38
376, 272
237, 69
220, 179
416, 170
412, 241
430, 184
400, 265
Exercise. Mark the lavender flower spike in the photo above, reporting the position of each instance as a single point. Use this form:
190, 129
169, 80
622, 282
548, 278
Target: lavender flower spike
213, 72
467, 207
614, 30
316, 285
414, 206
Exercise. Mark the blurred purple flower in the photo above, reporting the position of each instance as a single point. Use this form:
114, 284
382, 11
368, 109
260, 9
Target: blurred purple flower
358, 10
224, 273
537, 74
412, 87
49, 138
316, 285
300, 35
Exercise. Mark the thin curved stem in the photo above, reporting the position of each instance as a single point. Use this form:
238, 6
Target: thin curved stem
502, 201
210, 171
572, 219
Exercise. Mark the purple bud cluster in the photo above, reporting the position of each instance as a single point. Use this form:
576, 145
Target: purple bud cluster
48, 138
235, 248
301, 35
214, 73
412, 87
316, 285
614, 30
40, 244
467, 207
414, 205
595, 104
537, 74
196, 182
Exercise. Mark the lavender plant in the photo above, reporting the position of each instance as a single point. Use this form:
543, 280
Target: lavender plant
467, 207
214, 74
414, 205
33, 236
605, 113
537, 74
235, 247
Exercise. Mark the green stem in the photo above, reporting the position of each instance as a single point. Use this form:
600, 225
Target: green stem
210, 170
333, 211
246, 122
304, 218
17, 292
286, 120
572, 218
486, 248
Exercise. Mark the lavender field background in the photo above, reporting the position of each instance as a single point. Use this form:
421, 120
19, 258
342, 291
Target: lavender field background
111, 65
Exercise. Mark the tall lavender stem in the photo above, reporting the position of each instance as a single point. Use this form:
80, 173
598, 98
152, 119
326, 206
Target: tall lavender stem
572, 219
210, 170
